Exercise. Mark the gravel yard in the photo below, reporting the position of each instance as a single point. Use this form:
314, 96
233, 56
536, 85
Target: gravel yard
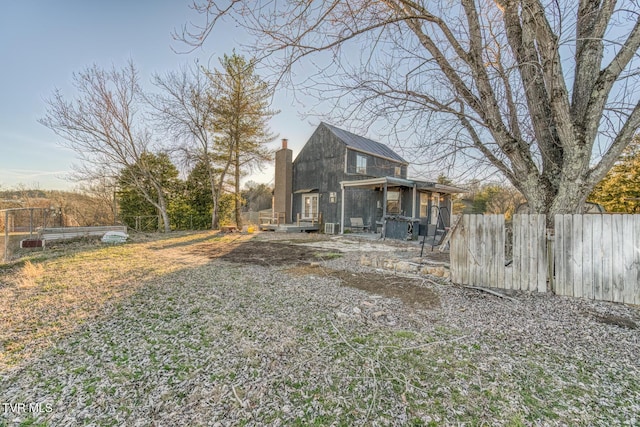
269, 329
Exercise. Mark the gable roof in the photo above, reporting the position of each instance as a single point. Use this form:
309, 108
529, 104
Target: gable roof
366, 145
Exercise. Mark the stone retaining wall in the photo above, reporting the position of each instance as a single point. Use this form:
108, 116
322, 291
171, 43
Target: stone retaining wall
414, 266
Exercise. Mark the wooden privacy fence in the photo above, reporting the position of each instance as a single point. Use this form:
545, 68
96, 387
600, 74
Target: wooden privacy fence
591, 256
598, 257
478, 253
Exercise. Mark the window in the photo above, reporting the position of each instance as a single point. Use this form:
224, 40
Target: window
309, 206
398, 171
332, 197
393, 202
424, 205
435, 201
361, 164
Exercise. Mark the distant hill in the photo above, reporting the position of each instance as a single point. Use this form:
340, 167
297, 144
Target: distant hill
76, 208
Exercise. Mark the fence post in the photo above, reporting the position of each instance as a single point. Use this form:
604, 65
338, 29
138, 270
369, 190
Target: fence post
6, 236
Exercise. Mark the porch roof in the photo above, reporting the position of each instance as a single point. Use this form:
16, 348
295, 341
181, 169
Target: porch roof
392, 181
306, 190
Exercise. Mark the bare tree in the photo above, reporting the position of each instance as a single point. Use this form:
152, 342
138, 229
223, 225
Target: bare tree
101, 125
103, 192
545, 91
185, 109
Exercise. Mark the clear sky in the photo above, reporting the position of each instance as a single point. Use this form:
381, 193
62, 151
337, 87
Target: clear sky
43, 42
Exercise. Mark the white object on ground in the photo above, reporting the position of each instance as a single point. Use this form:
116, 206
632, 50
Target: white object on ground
115, 237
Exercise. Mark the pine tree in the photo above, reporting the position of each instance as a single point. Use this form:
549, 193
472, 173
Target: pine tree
241, 100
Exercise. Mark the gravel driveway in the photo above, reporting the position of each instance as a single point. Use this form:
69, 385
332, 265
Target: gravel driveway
215, 330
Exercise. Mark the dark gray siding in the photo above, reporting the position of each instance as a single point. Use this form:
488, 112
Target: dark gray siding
321, 165
362, 203
376, 167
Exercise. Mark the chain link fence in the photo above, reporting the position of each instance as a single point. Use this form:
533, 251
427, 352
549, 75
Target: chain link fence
146, 223
19, 229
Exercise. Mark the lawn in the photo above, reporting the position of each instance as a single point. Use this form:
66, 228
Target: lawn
212, 329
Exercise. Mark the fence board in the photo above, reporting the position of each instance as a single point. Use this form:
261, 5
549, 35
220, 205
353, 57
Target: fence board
636, 245
517, 252
630, 268
559, 254
607, 260
587, 256
471, 253
533, 252
543, 264
597, 256
530, 263
488, 252
532, 255
458, 245
476, 235
617, 261
568, 254
576, 254
464, 254
500, 233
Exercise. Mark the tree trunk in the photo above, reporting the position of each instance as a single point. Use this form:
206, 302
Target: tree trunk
162, 205
214, 199
215, 220
238, 198
553, 195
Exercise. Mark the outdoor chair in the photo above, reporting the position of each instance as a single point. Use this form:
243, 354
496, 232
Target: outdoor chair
359, 225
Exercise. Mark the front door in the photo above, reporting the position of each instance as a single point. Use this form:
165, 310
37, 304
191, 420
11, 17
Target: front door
310, 207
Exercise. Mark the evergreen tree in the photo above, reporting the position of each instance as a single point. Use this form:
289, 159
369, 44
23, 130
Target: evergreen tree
199, 195
241, 116
619, 191
136, 190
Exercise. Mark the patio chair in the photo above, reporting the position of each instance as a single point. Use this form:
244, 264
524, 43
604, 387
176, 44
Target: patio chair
358, 224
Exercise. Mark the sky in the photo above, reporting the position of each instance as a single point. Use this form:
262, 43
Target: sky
42, 43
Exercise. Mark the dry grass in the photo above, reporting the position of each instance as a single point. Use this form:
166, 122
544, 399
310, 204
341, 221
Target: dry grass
170, 332
44, 300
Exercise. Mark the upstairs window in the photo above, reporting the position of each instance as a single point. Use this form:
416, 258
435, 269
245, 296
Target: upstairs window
398, 171
361, 164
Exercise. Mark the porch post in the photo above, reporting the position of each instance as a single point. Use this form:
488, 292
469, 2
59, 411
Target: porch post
384, 201
413, 204
342, 209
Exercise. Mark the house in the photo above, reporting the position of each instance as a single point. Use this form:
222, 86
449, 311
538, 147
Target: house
340, 178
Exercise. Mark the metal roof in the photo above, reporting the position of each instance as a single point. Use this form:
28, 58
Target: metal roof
363, 144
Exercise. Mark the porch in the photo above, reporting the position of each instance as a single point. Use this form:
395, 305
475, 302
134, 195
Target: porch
291, 228
397, 204
275, 221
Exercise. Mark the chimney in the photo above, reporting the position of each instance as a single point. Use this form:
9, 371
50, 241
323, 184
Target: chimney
283, 182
